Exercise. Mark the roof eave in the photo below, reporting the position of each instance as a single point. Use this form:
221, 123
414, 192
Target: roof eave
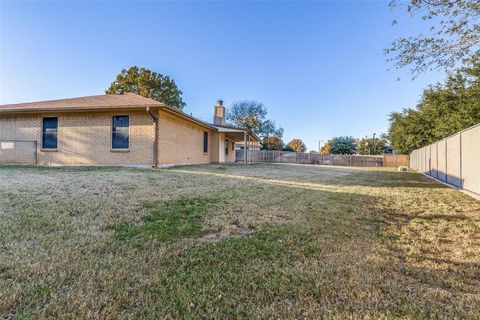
73, 109
226, 129
190, 118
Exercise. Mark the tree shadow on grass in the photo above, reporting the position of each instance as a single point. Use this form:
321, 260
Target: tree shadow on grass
320, 176
342, 264
429, 267
345, 259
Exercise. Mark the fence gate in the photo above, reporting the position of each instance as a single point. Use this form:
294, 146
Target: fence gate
18, 151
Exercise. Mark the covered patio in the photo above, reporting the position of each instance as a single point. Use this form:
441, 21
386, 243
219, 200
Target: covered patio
235, 134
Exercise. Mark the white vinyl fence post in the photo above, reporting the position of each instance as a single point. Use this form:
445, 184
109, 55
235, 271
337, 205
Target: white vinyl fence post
460, 159
446, 159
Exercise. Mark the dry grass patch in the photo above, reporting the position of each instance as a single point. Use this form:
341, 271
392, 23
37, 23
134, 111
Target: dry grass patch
289, 242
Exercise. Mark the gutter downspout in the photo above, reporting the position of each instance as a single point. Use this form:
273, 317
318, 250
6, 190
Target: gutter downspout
155, 142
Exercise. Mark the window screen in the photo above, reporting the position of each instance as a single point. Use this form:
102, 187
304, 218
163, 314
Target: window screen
120, 132
49, 133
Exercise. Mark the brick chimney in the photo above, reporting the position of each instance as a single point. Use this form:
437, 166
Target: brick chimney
219, 115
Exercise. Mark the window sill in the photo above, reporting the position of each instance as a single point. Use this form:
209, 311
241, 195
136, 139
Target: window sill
119, 150
48, 150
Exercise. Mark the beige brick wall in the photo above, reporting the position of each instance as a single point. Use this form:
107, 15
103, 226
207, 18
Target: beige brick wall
181, 141
214, 150
85, 138
218, 149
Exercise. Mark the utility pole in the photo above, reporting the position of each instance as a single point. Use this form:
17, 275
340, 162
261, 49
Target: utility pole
374, 142
366, 144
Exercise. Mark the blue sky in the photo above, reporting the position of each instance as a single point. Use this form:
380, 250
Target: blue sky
318, 66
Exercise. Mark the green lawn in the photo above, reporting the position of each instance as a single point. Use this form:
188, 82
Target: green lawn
223, 242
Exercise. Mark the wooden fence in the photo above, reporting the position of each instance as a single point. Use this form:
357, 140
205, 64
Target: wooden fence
396, 160
322, 159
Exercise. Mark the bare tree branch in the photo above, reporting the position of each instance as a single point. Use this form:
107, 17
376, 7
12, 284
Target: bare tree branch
451, 39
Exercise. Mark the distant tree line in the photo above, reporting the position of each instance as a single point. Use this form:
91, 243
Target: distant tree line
373, 145
443, 110
450, 42
252, 115
350, 145
276, 143
343, 145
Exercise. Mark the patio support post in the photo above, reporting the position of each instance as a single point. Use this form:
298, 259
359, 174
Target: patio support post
245, 148
250, 152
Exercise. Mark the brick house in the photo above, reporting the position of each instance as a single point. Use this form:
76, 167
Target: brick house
114, 129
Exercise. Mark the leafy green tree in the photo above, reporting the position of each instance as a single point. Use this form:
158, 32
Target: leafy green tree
451, 36
343, 145
373, 146
287, 148
253, 115
272, 143
148, 84
297, 145
443, 110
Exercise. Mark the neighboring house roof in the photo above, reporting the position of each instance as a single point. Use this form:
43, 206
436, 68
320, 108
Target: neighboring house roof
256, 143
106, 101
224, 126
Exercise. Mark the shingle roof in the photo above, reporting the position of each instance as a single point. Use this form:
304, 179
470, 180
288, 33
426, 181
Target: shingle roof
106, 101
185, 115
101, 102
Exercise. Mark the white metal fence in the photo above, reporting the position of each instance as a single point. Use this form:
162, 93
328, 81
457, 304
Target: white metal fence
454, 160
18, 151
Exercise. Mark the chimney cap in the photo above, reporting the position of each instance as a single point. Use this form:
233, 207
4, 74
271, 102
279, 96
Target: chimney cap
219, 113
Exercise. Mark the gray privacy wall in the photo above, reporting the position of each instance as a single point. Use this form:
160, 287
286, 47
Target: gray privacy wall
454, 160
